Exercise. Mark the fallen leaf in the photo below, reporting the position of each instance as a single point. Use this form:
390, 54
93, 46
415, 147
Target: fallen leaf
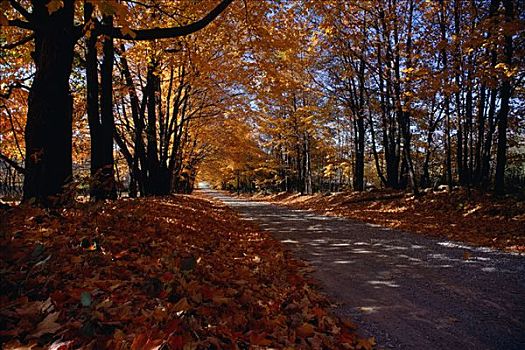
76, 259
182, 305
259, 339
305, 330
221, 300
349, 324
366, 344
30, 309
48, 325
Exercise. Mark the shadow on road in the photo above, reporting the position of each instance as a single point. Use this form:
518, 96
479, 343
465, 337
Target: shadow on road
410, 291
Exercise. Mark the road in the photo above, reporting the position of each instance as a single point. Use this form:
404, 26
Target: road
406, 290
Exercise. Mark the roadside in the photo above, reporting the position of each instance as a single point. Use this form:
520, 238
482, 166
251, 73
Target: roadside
478, 219
177, 272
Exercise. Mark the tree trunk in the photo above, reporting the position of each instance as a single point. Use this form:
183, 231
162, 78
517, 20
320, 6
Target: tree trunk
505, 92
359, 176
48, 132
480, 132
487, 148
448, 142
457, 66
137, 178
105, 158
101, 122
390, 131
374, 148
307, 165
151, 133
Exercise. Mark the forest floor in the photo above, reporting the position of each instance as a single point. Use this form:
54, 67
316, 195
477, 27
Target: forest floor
410, 291
478, 219
182, 272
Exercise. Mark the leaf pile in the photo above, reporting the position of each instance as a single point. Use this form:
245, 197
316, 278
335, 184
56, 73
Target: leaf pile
479, 219
171, 273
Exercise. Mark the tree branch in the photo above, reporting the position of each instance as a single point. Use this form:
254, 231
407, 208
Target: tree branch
10, 88
21, 9
20, 24
163, 33
18, 43
12, 163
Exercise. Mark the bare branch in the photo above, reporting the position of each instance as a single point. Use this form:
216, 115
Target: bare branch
21, 10
20, 24
163, 33
17, 43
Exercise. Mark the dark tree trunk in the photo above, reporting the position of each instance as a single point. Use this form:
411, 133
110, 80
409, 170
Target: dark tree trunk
505, 93
374, 148
487, 148
137, 178
459, 143
105, 163
101, 122
457, 64
448, 141
405, 112
158, 179
48, 133
307, 165
480, 132
151, 133
383, 116
390, 131
359, 176
425, 178
467, 139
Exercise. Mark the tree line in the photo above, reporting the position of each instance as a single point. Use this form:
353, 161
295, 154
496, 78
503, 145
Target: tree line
396, 94
297, 95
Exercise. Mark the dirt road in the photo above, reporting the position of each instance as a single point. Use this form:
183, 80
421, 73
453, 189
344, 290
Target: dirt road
409, 291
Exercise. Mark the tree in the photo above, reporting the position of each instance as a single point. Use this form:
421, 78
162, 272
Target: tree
48, 134
505, 93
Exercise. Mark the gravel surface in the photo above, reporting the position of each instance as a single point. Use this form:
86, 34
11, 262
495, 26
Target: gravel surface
406, 290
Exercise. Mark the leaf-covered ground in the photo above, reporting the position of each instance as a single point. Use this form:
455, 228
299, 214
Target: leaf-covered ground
171, 273
478, 219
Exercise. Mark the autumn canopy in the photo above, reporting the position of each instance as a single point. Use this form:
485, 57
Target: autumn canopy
108, 97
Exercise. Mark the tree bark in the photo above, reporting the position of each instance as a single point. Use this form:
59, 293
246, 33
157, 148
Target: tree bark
505, 93
100, 115
105, 187
48, 132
